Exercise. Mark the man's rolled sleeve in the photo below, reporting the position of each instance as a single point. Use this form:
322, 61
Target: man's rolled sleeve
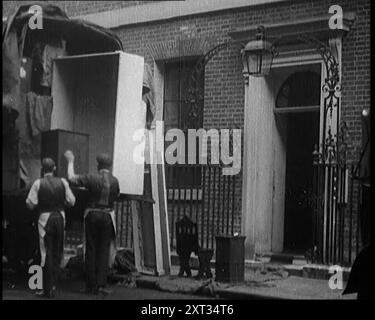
32, 198
80, 180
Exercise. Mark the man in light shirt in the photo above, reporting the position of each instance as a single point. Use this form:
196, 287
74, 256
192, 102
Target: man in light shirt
49, 195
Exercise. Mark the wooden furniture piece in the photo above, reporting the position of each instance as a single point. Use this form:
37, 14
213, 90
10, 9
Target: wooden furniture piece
187, 242
205, 256
56, 142
101, 94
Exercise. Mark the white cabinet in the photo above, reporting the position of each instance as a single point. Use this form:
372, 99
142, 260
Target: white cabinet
101, 95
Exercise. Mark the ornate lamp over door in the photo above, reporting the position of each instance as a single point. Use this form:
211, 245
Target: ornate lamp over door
257, 56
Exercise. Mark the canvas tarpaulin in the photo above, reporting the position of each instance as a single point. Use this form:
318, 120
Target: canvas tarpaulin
82, 38
19, 41
148, 94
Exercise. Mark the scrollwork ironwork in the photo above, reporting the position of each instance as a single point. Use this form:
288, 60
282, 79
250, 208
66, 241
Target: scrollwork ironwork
195, 96
331, 87
332, 147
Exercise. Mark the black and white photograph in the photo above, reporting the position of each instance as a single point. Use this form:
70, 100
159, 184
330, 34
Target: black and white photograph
205, 151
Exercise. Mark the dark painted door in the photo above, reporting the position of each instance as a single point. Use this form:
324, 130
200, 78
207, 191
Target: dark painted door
302, 135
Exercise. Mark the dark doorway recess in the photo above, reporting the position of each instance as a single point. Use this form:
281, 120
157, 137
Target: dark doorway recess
302, 135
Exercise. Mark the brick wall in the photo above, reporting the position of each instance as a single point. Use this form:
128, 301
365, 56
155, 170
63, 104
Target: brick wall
224, 93
356, 75
224, 90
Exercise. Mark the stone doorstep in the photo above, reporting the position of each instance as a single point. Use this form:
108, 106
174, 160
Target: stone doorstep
298, 268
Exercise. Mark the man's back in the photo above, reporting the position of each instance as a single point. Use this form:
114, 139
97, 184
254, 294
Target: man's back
51, 194
103, 188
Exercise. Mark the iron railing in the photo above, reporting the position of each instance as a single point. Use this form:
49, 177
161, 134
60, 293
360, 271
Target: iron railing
207, 196
337, 206
124, 223
210, 199
202, 192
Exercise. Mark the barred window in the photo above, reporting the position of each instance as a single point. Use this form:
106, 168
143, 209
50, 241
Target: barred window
176, 115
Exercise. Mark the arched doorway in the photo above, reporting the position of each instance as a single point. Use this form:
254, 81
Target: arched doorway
297, 106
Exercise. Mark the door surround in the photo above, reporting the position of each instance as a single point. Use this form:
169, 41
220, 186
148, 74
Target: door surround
279, 144
263, 167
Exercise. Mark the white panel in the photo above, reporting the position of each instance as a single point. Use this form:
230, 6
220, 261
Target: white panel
63, 91
130, 117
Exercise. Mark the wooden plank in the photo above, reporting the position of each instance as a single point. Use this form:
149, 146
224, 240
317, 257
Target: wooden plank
157, 222
160, 214
159, 209
137, 236
164, 224
160, 183
147, 225
89, 55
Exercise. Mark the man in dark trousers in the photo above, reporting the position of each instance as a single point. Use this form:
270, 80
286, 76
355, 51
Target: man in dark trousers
362, 275
100, 224
49, 195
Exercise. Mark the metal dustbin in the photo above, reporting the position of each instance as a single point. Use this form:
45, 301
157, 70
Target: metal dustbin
230, 258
